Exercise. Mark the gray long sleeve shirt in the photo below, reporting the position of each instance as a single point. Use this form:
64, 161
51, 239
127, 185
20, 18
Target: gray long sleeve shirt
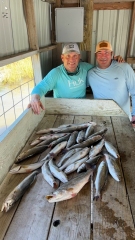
117, 82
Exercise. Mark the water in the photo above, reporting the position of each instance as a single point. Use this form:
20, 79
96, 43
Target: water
14, 100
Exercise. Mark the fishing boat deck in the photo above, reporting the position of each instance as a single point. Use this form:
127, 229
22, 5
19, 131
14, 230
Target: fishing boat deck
79, 218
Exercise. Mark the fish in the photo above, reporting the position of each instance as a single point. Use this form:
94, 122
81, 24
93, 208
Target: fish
92, 161
101, 178
75, 128
53, 130
75, 157
97, 148
72, 167
54, 152
111, 149
89, 131
57, 149
71, 188
57, 172
67, 155
45, 142
26, 168
30, 152
81, 136
113, 167
48, 175
47, 130
72, 139
101, 132
59, 140
35, 142
86, 143
18, 192
52, 136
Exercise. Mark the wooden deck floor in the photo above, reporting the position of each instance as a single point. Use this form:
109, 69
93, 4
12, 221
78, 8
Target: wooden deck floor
80, 218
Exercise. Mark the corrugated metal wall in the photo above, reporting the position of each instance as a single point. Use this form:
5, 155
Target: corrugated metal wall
13, 31
43, 24
111, 25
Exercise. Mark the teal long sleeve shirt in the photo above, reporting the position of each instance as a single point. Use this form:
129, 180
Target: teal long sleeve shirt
64, 85
117, 82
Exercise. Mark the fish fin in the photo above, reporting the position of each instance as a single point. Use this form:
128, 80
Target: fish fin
17, 169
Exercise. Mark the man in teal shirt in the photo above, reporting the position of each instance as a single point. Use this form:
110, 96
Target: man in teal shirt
112, 80
67, 80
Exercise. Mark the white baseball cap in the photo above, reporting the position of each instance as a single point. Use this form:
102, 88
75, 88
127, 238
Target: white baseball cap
70, 47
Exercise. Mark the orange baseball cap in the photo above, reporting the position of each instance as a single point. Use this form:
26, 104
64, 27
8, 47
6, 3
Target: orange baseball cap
103, 45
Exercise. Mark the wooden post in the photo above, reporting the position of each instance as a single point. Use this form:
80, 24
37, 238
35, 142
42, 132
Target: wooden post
31, 23
88, 19
33, 39
131, 31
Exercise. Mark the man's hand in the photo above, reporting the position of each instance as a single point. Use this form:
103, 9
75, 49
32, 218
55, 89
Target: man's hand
36, 104
118, 59
133, 121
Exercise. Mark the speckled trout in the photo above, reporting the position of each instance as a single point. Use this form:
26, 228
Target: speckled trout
57, 172
26, 168
111, 149
113, 167
18, 191
71, 188
30, 152
48, 175
100, 179
87, 142
75, 157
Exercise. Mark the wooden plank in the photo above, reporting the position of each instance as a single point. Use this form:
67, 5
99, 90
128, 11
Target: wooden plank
125, 137
29, 14
97, 1
17, 134
11, 181
131, 60
47, 48
88, 21
40, 208
37, 68
113, 6
74, 214
17, 57
112, 1
83, 107
74, 217
131, 31
112, 217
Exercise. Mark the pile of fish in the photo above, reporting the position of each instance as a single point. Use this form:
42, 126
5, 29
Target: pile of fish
73, 147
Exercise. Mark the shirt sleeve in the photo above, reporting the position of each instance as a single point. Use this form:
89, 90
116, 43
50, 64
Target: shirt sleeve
47, 84
130, 78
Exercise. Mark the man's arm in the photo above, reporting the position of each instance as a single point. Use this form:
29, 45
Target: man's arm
36, 104
40, 90
118, 59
